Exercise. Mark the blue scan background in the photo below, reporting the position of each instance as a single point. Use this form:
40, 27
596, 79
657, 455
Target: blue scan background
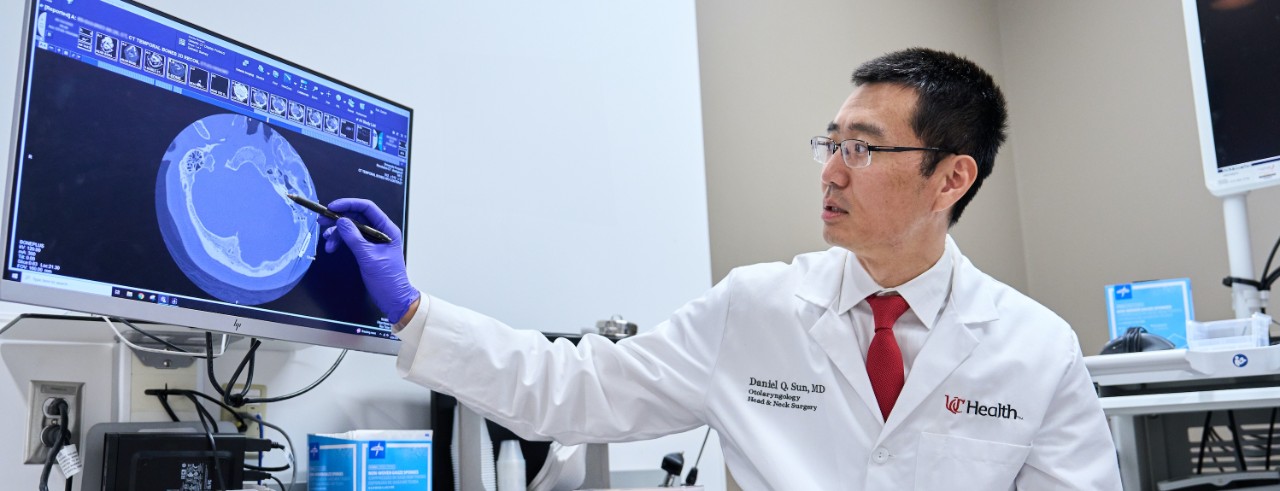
244, 202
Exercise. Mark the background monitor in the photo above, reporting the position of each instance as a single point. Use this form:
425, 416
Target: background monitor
149, 164
1234, 53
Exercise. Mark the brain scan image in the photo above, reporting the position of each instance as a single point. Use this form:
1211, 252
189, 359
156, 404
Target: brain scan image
295, 111
177, 69
259, 99
108, 44
240, 91
155, 60
131, 54
223, 210
277, 105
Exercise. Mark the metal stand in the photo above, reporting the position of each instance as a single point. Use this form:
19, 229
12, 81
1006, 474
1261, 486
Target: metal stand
597, 466
88, 329
1235, 213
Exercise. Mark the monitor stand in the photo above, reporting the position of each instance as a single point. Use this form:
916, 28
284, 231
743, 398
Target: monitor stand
1245, 299
92, 329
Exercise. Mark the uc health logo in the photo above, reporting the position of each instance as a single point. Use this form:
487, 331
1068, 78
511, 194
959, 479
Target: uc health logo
959, 405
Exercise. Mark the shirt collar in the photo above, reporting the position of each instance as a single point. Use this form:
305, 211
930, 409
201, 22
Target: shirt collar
926, 294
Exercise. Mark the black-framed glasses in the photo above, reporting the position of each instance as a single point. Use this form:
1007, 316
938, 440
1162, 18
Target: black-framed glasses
857, 153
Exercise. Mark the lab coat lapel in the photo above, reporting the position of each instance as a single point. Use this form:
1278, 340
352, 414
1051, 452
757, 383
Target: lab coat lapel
832, 331
834, 334
950, 342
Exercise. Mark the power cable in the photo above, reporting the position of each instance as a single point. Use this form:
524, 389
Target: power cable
239, 400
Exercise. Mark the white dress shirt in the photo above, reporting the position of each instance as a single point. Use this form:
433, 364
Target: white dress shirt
926, 296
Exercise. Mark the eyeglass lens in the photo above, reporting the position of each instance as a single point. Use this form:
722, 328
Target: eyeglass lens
854, 152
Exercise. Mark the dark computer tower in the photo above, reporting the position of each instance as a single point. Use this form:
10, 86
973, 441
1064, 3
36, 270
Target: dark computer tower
171, 461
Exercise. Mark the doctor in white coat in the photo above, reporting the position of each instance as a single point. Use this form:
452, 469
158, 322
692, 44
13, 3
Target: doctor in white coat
888, 362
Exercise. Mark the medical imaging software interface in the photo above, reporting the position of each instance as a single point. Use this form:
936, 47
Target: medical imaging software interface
154, 161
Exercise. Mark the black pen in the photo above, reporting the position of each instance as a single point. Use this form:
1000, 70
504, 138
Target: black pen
370, 233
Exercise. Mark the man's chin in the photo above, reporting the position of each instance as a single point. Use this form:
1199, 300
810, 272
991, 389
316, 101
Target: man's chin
834, 239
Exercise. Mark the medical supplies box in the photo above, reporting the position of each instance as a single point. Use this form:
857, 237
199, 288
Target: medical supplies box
1163, 307
393, 460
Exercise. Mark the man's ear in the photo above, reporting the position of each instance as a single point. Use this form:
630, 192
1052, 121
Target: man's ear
957, 174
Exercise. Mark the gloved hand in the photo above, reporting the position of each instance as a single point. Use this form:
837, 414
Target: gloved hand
381, 265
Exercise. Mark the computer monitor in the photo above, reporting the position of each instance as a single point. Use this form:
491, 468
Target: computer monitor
149, 167
1235, 63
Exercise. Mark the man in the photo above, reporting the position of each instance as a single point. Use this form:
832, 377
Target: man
886, 362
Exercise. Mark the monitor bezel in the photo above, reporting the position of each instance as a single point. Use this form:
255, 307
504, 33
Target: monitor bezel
105, 305
1238, 180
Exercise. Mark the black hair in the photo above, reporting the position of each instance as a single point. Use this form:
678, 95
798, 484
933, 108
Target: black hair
959, 108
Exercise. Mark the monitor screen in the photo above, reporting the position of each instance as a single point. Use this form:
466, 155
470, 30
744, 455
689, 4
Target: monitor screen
150, 165
1235, 63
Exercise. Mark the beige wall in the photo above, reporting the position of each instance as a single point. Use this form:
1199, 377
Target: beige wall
1108, 158
773, 75
1099, 183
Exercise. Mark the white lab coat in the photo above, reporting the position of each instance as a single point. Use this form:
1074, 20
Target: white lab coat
1025, 412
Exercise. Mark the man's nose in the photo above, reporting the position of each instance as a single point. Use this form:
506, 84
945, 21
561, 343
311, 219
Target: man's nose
834, 172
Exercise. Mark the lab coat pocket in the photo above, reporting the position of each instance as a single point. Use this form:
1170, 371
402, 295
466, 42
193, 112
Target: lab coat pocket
957, 463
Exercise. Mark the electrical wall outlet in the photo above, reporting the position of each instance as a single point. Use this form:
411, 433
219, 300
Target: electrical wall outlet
255, 391
43, 394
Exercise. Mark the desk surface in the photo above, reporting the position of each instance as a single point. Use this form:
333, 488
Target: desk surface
1181, 402
1182, 365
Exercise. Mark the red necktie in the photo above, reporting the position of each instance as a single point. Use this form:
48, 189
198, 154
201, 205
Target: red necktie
884, 359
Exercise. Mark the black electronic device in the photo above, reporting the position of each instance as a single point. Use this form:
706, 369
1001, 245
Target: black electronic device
1134, 340
1234, 58
169, 461
113, 206
673, 465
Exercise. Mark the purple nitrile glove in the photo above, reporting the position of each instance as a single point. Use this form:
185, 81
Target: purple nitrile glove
381, 265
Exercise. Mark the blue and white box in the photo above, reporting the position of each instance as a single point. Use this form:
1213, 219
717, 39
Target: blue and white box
366, 460
1163, 307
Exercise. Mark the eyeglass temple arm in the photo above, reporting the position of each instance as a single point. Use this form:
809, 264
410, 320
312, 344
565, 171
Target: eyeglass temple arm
876, 148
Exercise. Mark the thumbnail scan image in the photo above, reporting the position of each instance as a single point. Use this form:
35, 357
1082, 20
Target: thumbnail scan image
221, 200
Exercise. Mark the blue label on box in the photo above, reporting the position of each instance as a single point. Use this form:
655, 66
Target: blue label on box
355, 464
1163, 307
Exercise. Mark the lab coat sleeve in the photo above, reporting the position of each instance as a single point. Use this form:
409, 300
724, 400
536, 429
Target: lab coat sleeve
1073, 448
646, 386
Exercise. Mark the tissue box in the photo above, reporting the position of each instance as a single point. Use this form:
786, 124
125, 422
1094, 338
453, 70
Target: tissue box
1229, 334
395, 460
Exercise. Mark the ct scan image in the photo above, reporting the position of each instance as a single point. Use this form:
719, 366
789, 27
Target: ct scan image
181, 196
221, 200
